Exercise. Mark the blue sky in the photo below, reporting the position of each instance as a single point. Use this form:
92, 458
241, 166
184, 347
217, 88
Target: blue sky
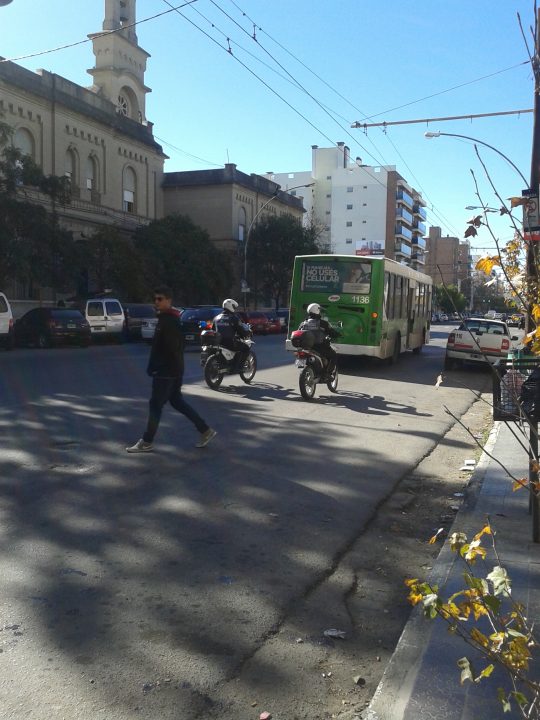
356, 58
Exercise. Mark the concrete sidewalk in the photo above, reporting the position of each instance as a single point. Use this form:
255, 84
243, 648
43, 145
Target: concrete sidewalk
422, 680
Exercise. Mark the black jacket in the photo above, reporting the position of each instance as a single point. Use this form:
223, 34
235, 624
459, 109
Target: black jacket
230, 327
167, 353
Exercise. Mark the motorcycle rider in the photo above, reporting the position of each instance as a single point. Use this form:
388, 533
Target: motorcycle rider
231, 329
323, 332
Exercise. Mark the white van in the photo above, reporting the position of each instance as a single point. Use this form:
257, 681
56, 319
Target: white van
105, 317
6, 323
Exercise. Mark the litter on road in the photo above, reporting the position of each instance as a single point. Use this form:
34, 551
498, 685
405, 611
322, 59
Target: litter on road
333, 633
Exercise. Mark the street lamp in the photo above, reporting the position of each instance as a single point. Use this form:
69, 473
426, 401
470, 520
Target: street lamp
430, 135
252, 223
479, 207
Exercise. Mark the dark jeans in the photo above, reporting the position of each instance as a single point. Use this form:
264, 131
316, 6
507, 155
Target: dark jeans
329, 354
169, 390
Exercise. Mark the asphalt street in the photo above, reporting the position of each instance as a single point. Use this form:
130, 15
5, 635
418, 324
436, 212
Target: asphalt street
132, 586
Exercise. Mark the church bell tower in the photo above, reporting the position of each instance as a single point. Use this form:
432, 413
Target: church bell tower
120, 63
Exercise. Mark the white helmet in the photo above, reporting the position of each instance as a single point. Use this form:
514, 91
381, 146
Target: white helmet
230, 305
314, 309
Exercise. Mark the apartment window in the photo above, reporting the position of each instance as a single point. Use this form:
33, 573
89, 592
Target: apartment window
350, 188
329, 195
364, 222
328, 212
349, 207
292, 192
328, 177
348, 241
365, 187
91, 175
364, 204
349, 223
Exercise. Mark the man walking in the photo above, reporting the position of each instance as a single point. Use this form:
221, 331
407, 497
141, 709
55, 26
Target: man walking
166, 368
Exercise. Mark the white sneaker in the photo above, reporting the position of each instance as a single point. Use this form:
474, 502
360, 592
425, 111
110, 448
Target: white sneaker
206, 437
140, 447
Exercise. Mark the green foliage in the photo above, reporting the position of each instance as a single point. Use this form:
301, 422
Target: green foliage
33, 248
449, 298
180, 254
273, 245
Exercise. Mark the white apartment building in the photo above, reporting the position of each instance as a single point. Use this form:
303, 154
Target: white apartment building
360, 209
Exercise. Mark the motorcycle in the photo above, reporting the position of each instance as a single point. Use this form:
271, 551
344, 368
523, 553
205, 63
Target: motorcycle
219, 361
313, 365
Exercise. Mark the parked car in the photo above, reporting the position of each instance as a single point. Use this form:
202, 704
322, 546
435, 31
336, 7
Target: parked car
46, 327
105, 317
443, 317
478, 340
516, 320
257, 320
135, 314
148, 326
6, 323
191, 319
274, 323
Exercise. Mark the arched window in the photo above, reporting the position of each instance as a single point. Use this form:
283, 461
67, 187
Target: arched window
129, 190
242, 224
91, 173
71, 167
128, 104
24, 142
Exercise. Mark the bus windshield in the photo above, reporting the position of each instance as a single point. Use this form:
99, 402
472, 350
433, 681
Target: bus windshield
330, 277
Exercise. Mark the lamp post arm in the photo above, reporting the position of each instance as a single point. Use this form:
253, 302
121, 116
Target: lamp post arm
481, 142
251, 224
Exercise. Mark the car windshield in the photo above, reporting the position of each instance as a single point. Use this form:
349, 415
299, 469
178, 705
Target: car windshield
65, 314
195, 314
484, 326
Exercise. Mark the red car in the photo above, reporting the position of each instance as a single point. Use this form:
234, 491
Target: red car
258, 321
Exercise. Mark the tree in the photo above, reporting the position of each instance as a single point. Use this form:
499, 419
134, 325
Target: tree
178, 253
449, 298
274, 244
33, 247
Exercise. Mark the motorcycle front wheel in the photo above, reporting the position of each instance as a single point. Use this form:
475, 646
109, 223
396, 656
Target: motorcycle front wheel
308, 383
249, 368
211, 373
333, 380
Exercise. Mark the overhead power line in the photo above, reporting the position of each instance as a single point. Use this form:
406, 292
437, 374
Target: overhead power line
104, 32
362, 125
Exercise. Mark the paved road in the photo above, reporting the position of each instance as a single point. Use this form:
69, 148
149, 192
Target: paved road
133, 585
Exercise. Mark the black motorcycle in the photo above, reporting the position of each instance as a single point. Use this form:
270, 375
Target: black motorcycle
219, 361
313, 365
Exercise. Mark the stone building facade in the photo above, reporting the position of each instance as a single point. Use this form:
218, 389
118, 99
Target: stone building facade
98, 137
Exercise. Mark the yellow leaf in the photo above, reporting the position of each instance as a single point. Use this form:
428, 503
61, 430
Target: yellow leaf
535, 311
487, 264
518, 484
486, 530
517, 201
479, 637
410, 582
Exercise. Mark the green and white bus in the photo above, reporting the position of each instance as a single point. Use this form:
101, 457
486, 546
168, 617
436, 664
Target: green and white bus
380, 307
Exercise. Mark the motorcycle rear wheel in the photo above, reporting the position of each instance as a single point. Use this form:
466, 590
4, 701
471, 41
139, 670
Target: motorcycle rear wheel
249, 368
333, 380
308, 383
211, 373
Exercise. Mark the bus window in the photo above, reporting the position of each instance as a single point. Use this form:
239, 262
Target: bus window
405, 297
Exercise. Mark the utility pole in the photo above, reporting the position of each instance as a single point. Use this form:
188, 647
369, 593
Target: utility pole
531, 226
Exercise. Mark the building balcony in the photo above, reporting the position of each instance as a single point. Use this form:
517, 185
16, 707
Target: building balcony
419, 227
404, 215
419, 242
401, 249
402, 231
405, 198
419, 258
420, 211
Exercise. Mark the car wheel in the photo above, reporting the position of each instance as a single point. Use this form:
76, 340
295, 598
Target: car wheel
449, 363
43, 341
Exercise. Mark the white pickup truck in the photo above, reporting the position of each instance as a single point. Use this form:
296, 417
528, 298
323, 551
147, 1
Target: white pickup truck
478, 340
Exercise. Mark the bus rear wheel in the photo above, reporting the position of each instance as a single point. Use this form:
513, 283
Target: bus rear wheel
396, 350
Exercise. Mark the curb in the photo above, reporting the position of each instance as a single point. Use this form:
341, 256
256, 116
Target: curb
395, 688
